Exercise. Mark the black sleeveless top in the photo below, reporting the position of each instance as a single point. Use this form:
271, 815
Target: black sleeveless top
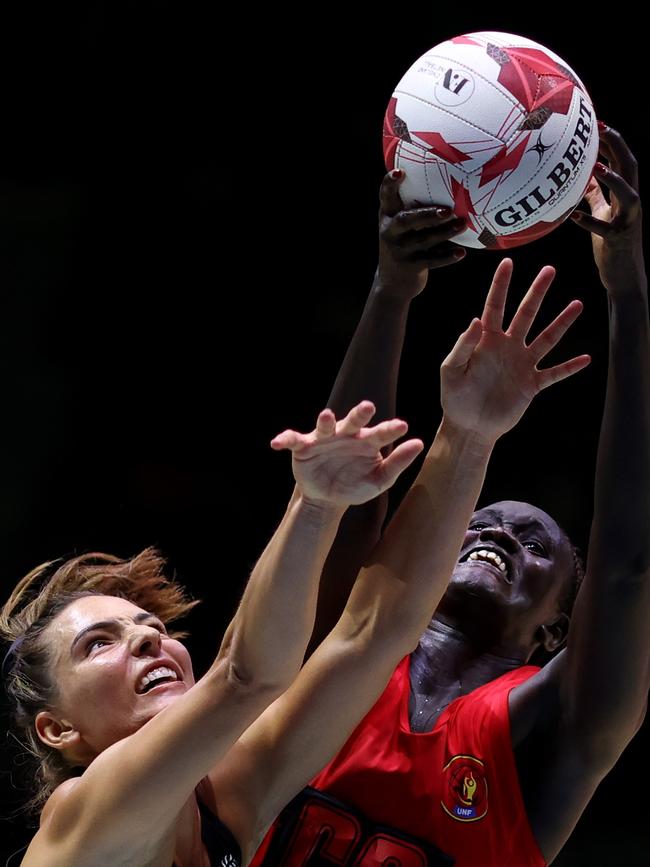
222, 847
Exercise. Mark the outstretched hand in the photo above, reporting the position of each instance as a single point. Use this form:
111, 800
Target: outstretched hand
491, 375
615, 226
340, 462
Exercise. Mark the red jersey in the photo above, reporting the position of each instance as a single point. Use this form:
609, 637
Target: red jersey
395, 797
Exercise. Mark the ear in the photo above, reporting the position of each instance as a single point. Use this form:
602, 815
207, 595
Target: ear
551, 636
56, 733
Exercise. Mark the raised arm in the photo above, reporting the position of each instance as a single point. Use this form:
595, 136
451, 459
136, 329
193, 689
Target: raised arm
488, 381
130, 795
337, 465
607, 676
411, 243
576, 717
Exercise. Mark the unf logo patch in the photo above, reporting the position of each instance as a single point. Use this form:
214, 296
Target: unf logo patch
465, 789
228, 861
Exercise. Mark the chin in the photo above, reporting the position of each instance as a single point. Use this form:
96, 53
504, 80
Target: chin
160, 700
488, 586
466, 595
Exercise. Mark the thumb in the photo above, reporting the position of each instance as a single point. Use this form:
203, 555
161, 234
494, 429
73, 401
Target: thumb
399, 459
465, 345
288, 439
594, 196
390, 202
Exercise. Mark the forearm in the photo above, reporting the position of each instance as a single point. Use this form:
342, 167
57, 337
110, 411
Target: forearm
369, 371
390, 605
371, 365
620, 538
266, 641
609, 651
409, 570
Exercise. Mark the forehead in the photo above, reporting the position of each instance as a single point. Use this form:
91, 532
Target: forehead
521, 516
89, 609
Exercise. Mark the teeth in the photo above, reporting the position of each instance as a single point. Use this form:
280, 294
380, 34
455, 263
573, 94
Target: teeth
157, 673
489, 556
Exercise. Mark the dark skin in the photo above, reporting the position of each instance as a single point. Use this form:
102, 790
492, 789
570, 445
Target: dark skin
411, 243
572, 720
489, 617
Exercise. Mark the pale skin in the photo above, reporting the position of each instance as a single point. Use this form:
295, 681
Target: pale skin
102, 720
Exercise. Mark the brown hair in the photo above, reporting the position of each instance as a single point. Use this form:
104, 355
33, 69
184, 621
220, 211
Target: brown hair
37, 599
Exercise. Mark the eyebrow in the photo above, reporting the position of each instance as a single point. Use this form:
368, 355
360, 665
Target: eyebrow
110, 624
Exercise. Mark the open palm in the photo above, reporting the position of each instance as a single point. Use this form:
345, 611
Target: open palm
491, 375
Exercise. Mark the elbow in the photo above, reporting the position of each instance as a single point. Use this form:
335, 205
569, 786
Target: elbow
395, 629
240, 680
248, 682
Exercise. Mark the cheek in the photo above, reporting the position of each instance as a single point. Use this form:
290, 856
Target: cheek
105, 683
469, 539
541, 587
180, 654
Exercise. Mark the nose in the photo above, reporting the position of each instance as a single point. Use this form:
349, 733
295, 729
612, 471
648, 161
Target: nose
145, 640
501, 537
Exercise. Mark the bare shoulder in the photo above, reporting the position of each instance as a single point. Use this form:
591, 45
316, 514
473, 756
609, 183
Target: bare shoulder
58, 797
534, 705
47, 847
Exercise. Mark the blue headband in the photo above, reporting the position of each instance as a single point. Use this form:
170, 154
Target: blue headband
11, 652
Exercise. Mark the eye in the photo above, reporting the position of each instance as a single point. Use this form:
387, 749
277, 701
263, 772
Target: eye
95, 641
535, 546
478, 525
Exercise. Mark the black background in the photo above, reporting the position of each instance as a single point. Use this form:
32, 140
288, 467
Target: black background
188, 210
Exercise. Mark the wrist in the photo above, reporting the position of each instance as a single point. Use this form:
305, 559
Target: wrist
318, 510
394, 290
469, 440
629, 282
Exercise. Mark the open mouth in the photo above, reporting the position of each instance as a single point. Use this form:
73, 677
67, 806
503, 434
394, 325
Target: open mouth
490, 557
161, 676
159, 685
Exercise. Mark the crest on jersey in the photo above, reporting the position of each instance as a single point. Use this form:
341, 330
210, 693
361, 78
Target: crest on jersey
465, 789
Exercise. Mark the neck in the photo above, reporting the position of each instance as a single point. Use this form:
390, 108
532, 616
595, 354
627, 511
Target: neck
449, 657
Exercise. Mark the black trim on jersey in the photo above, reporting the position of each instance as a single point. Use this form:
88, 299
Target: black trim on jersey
289, 821
222, 847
